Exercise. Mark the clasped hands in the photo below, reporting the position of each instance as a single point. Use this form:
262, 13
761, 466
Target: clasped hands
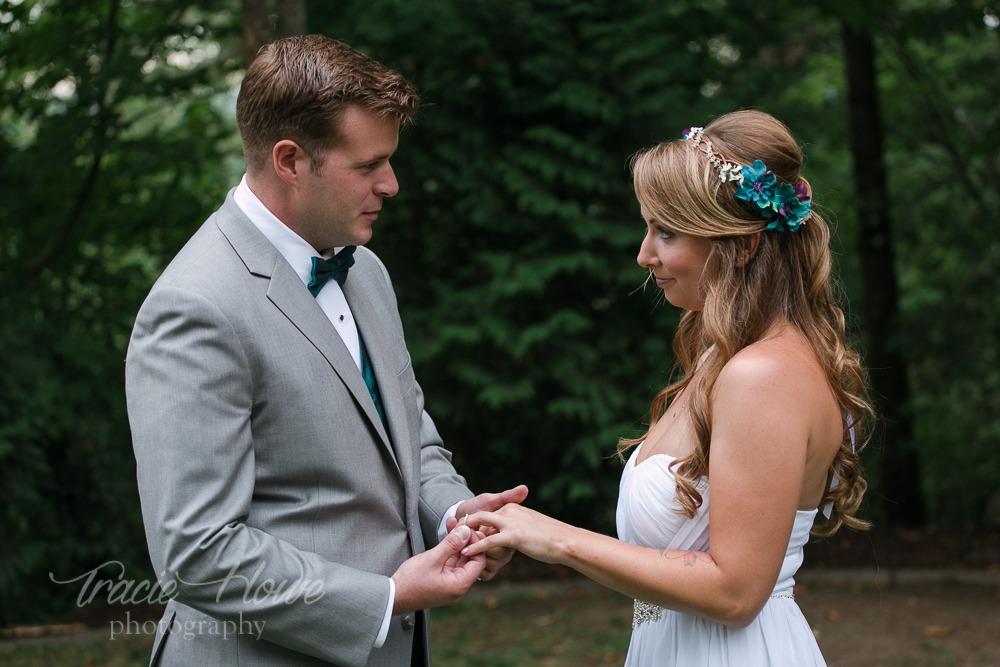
442, 575
514, 527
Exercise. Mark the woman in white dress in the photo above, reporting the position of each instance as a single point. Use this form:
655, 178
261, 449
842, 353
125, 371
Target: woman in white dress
768, 404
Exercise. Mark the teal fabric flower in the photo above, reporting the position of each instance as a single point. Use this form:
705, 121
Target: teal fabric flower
784, 207
786, 210
757, 185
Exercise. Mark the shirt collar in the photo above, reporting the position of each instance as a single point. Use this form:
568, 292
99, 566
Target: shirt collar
295, 249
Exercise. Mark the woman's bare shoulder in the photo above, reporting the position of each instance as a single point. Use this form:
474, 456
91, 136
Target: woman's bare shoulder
781, 367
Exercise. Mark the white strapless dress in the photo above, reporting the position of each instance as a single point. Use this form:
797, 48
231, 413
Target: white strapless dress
778, 637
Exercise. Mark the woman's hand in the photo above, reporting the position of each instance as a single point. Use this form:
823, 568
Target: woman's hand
489, 502
530, 532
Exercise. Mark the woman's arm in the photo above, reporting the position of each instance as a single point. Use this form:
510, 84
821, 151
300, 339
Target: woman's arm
760, 436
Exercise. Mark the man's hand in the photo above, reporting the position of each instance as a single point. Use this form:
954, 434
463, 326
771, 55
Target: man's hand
440, 576
491, 502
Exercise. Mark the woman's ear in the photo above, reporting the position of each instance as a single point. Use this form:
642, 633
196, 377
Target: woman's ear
751, 251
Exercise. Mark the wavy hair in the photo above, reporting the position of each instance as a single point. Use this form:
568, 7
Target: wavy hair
788, 280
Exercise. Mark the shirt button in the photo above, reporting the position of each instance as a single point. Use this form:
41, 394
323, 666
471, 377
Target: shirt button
341, 318
408, 622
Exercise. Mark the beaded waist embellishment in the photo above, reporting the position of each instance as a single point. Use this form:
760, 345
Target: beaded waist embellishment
643, 611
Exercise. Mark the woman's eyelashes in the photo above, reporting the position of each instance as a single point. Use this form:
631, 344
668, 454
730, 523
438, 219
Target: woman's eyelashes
658, 229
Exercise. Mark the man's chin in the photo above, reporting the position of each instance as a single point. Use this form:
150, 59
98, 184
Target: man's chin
358, 237
363, 234
361, 239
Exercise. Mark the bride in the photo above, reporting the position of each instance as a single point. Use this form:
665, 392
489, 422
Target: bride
761, 423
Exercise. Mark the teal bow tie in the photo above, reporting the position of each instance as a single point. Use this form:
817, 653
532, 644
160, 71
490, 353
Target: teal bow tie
336, 267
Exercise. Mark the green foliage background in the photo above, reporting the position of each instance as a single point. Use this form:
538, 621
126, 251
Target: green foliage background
511, 243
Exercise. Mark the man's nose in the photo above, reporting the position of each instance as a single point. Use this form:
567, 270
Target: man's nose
387, 185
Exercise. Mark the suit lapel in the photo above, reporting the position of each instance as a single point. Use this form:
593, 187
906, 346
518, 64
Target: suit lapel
286, 291
369, 319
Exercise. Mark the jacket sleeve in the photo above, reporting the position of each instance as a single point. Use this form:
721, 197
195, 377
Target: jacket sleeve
440, 485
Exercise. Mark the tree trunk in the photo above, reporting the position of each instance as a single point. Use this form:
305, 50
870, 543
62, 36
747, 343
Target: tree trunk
256, 28
257, 23
900, 471
291, 18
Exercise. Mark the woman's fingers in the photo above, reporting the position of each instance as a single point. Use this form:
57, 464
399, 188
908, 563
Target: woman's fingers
485, 544
489, 520
496, 526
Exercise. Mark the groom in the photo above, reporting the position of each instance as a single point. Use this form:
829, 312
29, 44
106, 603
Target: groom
291, 481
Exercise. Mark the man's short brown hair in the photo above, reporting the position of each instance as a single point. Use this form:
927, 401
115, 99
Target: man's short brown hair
298, 88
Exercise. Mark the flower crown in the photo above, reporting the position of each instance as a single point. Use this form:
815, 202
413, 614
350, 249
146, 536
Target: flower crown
784, 207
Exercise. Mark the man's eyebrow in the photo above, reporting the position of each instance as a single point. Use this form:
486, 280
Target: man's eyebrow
375, 158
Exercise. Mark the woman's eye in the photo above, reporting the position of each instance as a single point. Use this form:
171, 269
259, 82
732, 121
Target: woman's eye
663, 233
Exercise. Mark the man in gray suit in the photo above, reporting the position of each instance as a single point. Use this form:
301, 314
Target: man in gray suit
289, 475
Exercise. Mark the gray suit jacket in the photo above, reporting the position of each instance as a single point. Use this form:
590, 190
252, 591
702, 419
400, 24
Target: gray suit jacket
270, 492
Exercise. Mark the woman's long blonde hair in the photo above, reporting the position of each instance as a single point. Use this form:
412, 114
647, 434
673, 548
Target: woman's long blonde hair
788, 280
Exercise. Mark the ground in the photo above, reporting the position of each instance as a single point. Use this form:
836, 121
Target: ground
888, 598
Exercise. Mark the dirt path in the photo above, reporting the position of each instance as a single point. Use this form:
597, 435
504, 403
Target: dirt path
912, 624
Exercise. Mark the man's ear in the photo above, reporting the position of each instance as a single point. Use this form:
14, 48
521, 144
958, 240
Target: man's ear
751, 251
288, 160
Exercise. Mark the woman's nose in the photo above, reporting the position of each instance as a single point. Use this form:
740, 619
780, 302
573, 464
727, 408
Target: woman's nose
646, 257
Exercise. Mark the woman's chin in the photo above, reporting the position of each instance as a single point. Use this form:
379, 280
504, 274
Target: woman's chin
683, 304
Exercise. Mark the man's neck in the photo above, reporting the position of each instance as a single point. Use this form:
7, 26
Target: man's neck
270, 196
274, 197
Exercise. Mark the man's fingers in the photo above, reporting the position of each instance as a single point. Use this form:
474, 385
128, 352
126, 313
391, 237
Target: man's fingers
515, 495
496, 559
453, 543
491, 502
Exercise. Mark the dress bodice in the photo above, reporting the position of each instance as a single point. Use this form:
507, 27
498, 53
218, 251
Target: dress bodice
649, 515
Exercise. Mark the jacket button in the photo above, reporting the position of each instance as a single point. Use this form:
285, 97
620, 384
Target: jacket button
409, 622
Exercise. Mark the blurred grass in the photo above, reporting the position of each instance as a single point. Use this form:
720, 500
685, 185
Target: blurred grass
91, 649
492, 627
579, 626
